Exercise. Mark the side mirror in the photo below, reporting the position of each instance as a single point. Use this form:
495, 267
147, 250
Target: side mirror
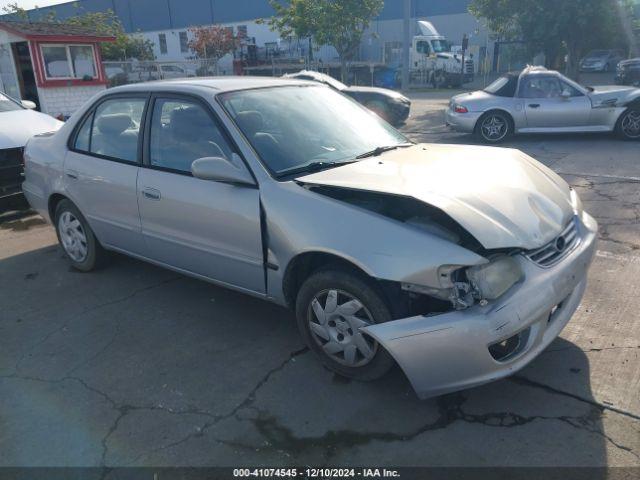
221, 170
28, 104
566, 94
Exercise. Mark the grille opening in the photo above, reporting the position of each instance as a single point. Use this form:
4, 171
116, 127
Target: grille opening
509, 347
558, 248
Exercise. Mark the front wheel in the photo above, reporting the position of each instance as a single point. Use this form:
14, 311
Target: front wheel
332, 307
494, 127
628, 127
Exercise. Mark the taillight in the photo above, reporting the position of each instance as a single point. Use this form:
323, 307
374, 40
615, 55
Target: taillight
461, 109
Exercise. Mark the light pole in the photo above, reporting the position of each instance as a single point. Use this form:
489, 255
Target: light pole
405, 44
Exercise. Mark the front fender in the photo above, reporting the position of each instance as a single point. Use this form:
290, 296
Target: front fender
298, 221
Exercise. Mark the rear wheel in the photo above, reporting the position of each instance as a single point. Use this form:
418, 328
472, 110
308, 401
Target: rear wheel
628, 126
76, 238
332, 307
494, 127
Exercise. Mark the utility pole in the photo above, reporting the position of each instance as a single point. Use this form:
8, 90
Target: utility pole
406, 44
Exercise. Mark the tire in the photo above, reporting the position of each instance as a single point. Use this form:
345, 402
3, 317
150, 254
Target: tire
77, 239
628, 125
335, 338
494, 127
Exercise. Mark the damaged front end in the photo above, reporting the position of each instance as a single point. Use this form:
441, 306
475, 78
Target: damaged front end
471, 324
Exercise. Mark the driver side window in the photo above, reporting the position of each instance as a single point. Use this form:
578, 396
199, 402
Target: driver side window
423, 47
538, 86
181, 132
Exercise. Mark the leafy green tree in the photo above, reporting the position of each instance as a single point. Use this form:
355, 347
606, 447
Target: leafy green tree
339, 23
558, 27
102, 23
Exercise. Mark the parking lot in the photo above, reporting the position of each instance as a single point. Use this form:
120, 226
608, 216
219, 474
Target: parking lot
135, 365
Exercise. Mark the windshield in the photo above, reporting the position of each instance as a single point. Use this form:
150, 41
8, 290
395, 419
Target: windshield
8, 105
598, 54
440, 46
504, 86
294, 126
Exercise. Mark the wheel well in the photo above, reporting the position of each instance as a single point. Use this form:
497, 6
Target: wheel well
495, 110
54, 200
305, 264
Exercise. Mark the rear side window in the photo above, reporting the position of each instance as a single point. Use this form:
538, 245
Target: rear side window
116, 128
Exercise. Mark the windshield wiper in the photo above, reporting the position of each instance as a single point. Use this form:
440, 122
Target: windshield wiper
380, 150
310, 167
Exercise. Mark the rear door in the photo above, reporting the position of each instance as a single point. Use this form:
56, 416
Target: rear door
101, 170
545, 106
204, 227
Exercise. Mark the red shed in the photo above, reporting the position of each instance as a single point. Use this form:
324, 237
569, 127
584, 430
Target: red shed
57, 66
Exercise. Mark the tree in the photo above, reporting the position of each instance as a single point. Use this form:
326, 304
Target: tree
339, 23
212, 43
102, 23
557, 27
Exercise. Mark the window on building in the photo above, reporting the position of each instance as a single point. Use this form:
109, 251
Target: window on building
181, 132
184, 42
69, 61
162, 40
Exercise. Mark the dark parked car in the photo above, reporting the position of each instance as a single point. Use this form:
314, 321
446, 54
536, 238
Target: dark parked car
388, 104
628, 72
601, 60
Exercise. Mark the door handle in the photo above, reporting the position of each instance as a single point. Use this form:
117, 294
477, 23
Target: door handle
534, 105
72, 174
151, 193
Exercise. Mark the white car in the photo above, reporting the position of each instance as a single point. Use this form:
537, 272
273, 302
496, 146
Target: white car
18, 123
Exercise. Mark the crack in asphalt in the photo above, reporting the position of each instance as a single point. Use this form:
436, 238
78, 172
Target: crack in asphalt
280, 438
589, 350
86, 310
549, 389
246, 402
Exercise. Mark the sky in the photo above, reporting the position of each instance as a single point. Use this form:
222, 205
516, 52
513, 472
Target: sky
27, 4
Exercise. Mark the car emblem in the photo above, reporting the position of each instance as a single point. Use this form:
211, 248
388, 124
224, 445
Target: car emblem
560, 243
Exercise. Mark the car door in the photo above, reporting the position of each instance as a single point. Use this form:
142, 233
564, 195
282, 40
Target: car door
101, 170
550, 103
199, 226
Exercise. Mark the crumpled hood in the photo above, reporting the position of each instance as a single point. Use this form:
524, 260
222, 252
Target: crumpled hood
18, 126
608, 95
503, 197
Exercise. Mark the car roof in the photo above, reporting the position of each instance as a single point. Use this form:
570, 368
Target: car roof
219, 84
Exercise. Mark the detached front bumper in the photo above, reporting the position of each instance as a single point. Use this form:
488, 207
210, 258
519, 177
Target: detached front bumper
456, 350
461, 122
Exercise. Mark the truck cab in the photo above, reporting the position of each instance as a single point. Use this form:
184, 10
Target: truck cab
432, 59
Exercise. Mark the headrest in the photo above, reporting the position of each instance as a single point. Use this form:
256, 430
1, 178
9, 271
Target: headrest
114, 124
190, 123
250, 121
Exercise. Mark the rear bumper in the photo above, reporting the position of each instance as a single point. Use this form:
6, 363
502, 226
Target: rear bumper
461, 122
450, 351
36, 199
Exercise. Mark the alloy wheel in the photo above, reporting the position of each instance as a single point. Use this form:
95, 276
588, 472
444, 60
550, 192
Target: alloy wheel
335, 318
494, 128
630, 124
72, 237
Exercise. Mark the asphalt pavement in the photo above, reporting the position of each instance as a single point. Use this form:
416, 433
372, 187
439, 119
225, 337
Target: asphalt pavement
135, 365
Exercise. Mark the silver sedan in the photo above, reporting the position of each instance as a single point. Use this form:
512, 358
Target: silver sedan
460, 263
537, 100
